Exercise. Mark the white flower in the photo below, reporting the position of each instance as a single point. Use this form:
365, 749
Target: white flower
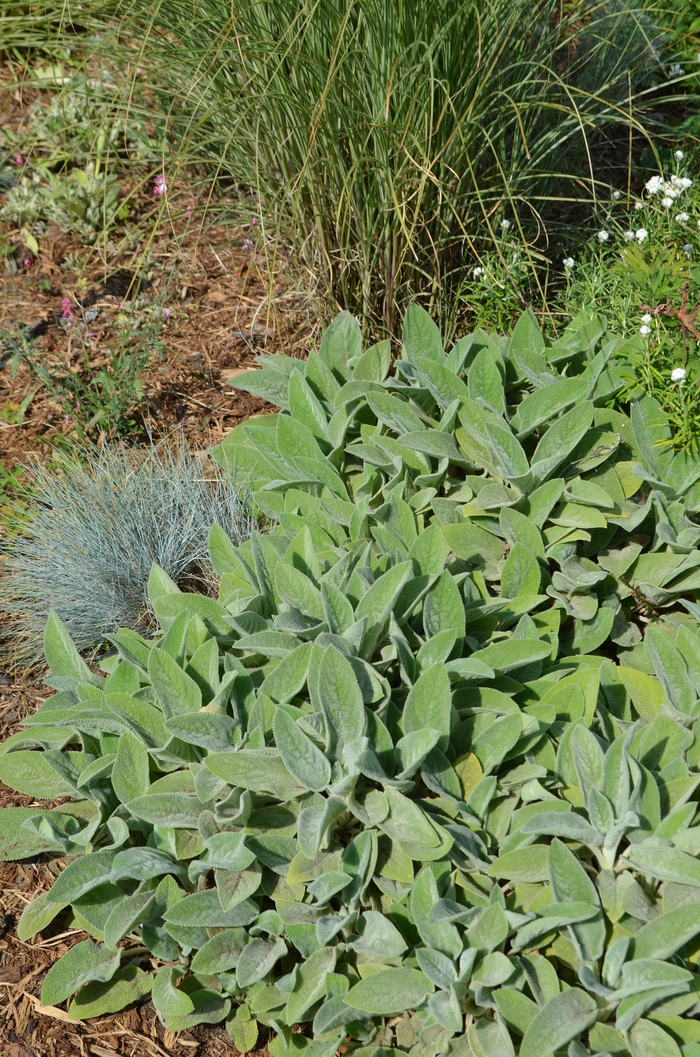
639, 205
641, 234
666, 202
646, 318
477, 272
678, 155
682, 218
616, 195
505, 224
603, 236
644, 330
689, 249
685, 182
675, 70
654, 185
629, 236
568, 263
678, 374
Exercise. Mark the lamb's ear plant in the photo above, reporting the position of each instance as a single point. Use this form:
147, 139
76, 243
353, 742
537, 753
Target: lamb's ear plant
424, 776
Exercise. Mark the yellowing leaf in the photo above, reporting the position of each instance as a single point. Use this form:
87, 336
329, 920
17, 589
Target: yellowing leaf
469, 773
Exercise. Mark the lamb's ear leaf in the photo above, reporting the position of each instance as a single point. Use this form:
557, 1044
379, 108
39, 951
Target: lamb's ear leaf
428, 551
374, 363
428, 704
588, 759
29, 772
521, 573
652, 435
664, 935
298, 590
342, 341
377, 603
286, 680
167, 998
443, 608
337, 608
485, 384
86, 961
648, 1039
80, 877
98, 999
560, 440
175, 690
565, 1017
37, 915
243, 1028
130, 772
341, 699
62, 657
517, 1010
670, 670
159, 585
301, 757
310, 983
220, 953
390, 991
131, 911
225, 558
421, 336
571, 884
257, 959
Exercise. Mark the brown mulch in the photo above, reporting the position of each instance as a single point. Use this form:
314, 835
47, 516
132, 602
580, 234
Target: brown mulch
217, 307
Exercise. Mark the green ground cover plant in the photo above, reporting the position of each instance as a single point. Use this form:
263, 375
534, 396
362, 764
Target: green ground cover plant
424, 776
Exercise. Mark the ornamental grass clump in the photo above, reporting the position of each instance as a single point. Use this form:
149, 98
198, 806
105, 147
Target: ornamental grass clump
84, 542
383, 139
424, 776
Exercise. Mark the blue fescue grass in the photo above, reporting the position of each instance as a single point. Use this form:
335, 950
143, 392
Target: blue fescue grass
91, 532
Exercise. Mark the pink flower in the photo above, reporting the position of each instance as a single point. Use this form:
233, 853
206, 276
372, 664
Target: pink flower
166, 313
67, 310
188, 214
27, 262
19, 160
255, 220
160, 186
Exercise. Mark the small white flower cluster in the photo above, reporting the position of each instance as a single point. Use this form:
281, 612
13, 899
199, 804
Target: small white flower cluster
629, 236
645, 329
678, 374
505, 224
568, 263
477, 272
675, 70
682, 218
603, 236
671, 188
616, 195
